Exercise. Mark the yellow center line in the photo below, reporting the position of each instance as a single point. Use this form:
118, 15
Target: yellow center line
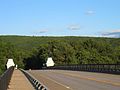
93, 79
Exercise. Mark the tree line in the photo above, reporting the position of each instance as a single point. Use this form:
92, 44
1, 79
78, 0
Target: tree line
31, 52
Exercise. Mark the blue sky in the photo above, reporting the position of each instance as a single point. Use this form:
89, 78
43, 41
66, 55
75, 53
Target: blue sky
60, 17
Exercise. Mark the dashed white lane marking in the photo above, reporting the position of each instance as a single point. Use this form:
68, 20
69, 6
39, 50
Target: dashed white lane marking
68, 87
58, 83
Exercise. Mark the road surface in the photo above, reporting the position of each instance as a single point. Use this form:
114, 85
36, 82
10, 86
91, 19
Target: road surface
76, 80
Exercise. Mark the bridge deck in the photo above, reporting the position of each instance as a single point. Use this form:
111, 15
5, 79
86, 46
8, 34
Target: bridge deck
76, 80
19, 82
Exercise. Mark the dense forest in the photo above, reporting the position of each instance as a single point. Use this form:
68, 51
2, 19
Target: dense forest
31, 52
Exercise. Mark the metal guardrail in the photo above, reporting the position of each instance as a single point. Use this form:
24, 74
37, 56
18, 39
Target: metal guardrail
37, 84
105, 68
5, 78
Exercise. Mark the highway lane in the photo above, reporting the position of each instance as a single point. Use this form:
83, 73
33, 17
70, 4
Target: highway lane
77, 80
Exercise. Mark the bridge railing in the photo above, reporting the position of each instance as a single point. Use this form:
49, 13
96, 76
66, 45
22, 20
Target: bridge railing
5, 78
37, 84
105, 68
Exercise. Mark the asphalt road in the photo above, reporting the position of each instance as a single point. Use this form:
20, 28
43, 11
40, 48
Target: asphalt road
76, 80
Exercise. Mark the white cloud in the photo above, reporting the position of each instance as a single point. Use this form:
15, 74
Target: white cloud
74, 27
114, 33
90, 12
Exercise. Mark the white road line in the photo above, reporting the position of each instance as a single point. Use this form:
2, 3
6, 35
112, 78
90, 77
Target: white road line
88, 78
58, 83
68, 87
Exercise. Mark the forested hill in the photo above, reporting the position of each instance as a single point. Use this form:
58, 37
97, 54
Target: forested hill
32, 51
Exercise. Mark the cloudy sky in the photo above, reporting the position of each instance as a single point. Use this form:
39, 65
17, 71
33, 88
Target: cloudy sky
60, 17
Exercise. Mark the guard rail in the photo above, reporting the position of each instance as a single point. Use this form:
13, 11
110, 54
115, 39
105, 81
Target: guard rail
5, 78
104, 68
37, 84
